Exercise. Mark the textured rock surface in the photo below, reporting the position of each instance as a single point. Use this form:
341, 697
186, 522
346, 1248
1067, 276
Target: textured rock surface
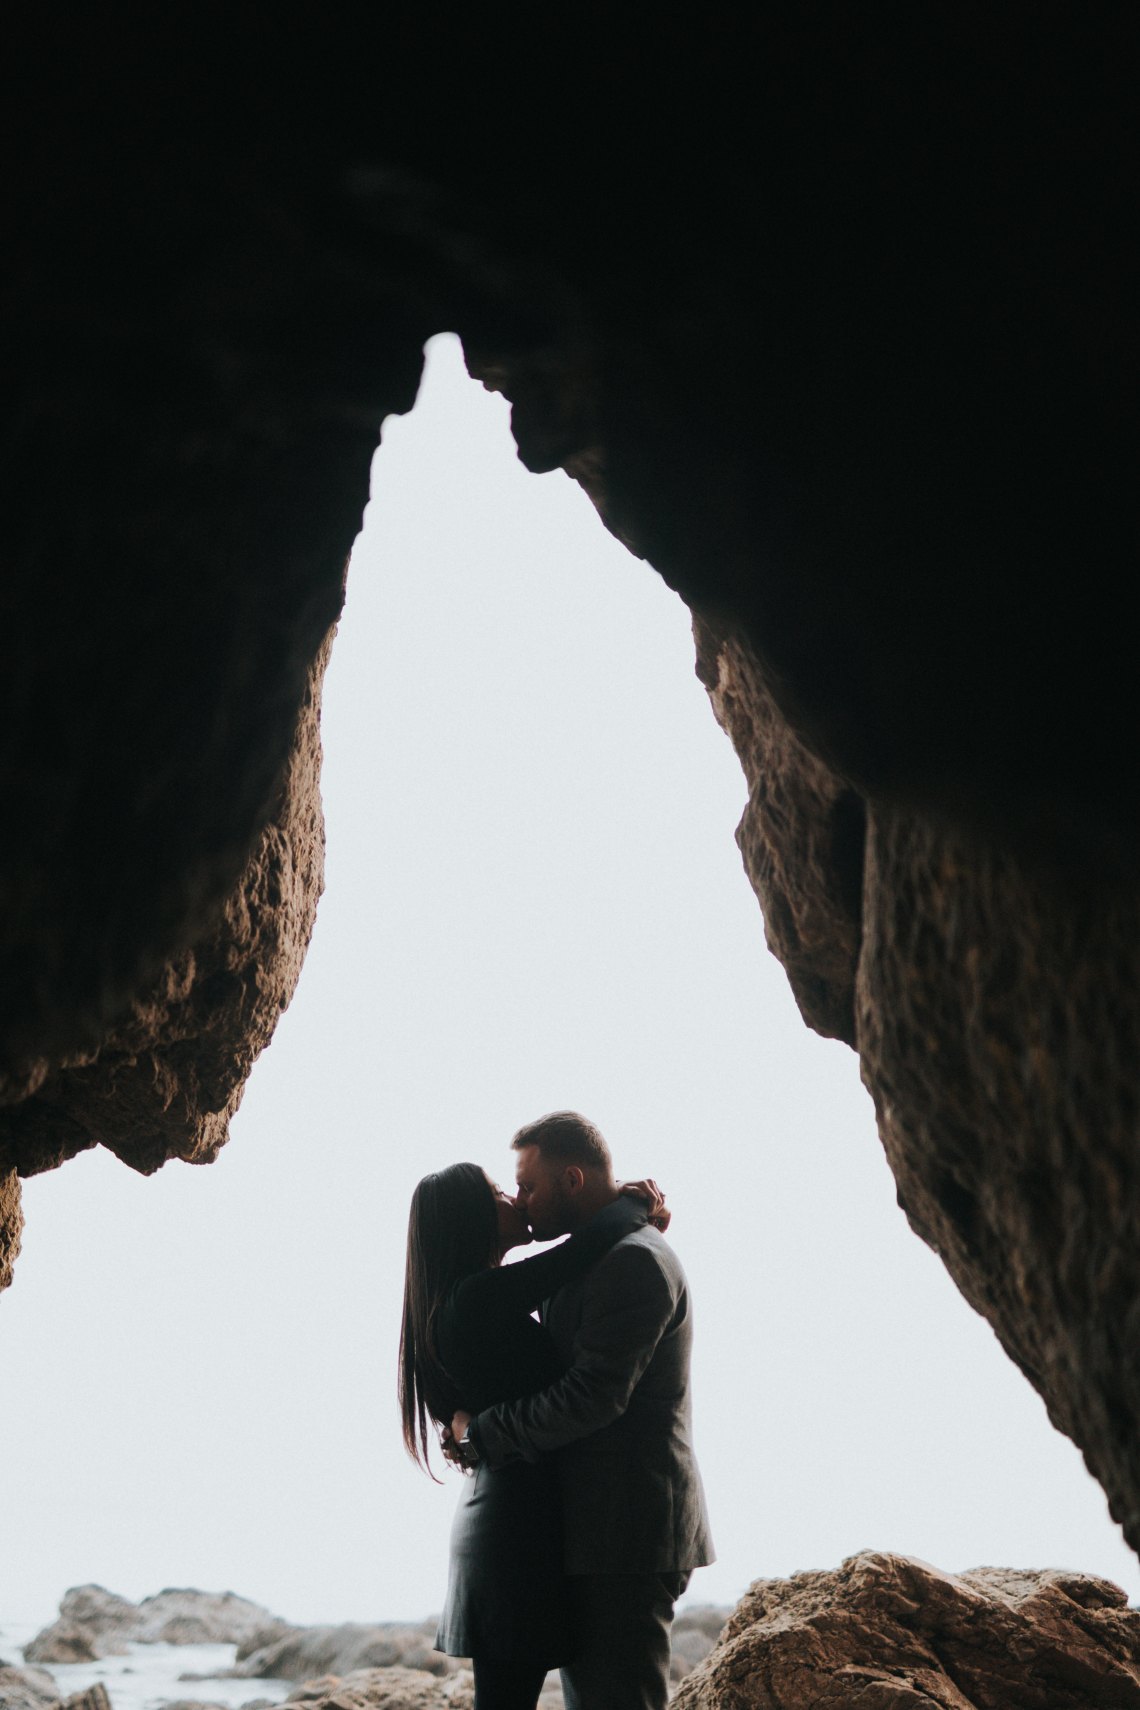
94, 1622
34, 1689
830, 324
886, 1632
801, 837
394, 1688
11, 1223
308, 1652
27, 1689
303, 1653
170, 1074
998, 1019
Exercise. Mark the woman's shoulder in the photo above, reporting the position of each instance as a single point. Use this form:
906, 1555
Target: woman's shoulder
471, 1293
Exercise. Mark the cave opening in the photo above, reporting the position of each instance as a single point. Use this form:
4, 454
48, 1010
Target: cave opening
533, 899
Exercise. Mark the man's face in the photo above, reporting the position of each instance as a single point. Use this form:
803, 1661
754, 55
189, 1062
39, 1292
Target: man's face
544, 1198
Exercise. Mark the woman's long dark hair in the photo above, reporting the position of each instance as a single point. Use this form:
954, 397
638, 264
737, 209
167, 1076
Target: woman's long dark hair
453, 1231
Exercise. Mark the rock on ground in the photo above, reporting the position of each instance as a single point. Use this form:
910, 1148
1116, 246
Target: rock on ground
394, 1688
886, 1632
400, 1688
320, 1657
27, 1689
95, 1623
312, 1653
35, 1689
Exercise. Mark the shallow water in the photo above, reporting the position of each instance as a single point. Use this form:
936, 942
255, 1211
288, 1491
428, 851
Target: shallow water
146, 1676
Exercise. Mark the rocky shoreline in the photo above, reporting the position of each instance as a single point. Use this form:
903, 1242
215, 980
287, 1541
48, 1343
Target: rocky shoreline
882, 1631
350, 1666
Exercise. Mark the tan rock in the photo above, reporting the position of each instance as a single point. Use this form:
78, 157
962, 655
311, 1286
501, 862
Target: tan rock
998, 1019
826, 440
191, 1617
27, 1689
11, 1223
886, 1632
94, 1697
394, 1688
314, 1655
169, 1075
801, 836
94, 1622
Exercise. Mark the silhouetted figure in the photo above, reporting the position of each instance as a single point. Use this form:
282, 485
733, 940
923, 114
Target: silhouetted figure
617, 1423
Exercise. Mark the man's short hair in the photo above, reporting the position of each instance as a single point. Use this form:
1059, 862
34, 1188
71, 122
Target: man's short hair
567, 1138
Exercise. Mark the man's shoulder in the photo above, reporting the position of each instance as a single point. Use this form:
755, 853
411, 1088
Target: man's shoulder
643, 1253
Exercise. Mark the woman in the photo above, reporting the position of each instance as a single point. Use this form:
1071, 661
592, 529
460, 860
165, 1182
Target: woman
468, 1341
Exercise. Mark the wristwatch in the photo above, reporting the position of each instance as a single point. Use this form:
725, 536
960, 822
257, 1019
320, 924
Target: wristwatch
469, 1443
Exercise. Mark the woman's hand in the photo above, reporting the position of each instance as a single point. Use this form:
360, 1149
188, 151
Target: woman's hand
449, 1441
659, 1215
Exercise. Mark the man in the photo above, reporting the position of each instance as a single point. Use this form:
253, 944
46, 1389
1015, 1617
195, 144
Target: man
620, 1421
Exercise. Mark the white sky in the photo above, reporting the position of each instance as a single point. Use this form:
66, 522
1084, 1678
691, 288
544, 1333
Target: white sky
533, 900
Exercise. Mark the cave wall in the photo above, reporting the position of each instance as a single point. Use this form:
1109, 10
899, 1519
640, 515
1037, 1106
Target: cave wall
828, 317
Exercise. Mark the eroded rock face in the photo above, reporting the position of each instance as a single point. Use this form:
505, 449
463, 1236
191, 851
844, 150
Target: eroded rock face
11, 1223
836, 342
170, 1074
801, 837
886, 1632
998, 1019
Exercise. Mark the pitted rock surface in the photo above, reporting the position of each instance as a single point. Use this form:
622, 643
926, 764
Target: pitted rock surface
11, 1223
886, 1632
395, 1688
170, 1074
801, 837
998, 1019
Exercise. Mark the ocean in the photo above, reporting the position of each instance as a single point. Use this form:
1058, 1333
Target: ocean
147, 1676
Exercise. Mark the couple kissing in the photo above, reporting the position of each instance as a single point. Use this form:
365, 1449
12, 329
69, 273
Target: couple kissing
585, 1515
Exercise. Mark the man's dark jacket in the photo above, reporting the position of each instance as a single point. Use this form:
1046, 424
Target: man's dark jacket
621, 1417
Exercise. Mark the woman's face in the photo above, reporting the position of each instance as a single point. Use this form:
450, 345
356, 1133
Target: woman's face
513, 1230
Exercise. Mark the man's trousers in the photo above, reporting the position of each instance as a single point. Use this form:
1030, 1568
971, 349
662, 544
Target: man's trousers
622, 1623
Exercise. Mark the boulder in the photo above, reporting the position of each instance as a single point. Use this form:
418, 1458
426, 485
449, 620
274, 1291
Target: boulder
94, 1697
95, 1623
27, 1689
395, 1688
262, 1637
92, 1622
310, 1653
887, 1632
201, 1618
66, 1642
200, 1704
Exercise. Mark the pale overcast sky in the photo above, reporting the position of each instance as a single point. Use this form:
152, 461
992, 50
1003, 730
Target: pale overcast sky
533, 900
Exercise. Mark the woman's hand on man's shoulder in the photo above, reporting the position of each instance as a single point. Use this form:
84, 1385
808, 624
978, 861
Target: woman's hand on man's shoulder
657, 1211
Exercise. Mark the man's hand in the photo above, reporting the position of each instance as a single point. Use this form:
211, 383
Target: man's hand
659, 1215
